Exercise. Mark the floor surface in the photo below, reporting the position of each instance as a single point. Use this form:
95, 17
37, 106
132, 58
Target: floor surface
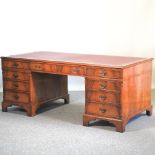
58, 130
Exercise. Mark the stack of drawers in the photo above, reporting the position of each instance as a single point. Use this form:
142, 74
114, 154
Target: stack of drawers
103, 92
16, 81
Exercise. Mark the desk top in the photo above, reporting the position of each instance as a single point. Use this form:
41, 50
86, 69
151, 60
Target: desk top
87, 59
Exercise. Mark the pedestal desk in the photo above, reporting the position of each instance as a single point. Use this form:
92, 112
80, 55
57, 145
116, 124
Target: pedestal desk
116, 88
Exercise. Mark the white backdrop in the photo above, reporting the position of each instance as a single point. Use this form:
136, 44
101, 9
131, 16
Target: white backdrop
109, 27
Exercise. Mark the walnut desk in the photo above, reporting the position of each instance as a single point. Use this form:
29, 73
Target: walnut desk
116, 88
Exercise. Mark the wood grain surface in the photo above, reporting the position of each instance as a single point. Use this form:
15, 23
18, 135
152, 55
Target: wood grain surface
116, 88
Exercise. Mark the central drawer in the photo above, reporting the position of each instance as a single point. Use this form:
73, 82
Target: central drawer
106, 110
15, 75
16, 85
103, 97
16, 97
69, 69
58, 68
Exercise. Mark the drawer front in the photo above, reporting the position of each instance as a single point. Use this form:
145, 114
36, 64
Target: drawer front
109, 111
68, 69
37, 66
16, 97
16, 85
15, 64
13, 75
75, 70
58, 68
104, 73
93, 84
103, 97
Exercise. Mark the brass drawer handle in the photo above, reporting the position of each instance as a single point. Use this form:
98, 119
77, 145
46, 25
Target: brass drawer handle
103, 97
102, 73
16, 85
111, 103
75, 70
103, 86
15, 75
15, 65
37, 66
16, 97
102, 110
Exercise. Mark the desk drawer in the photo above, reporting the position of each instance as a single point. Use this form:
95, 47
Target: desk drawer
109, 111
75, 70
68, 69
103, 97
104, 72
100, 84
15, 64
36, 66
58, 68
16, 85
14, 75
16, 97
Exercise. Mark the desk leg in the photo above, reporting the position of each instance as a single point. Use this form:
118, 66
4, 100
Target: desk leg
27, 107
119, 124
31, 111
149, 111
4, 106
66, 99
